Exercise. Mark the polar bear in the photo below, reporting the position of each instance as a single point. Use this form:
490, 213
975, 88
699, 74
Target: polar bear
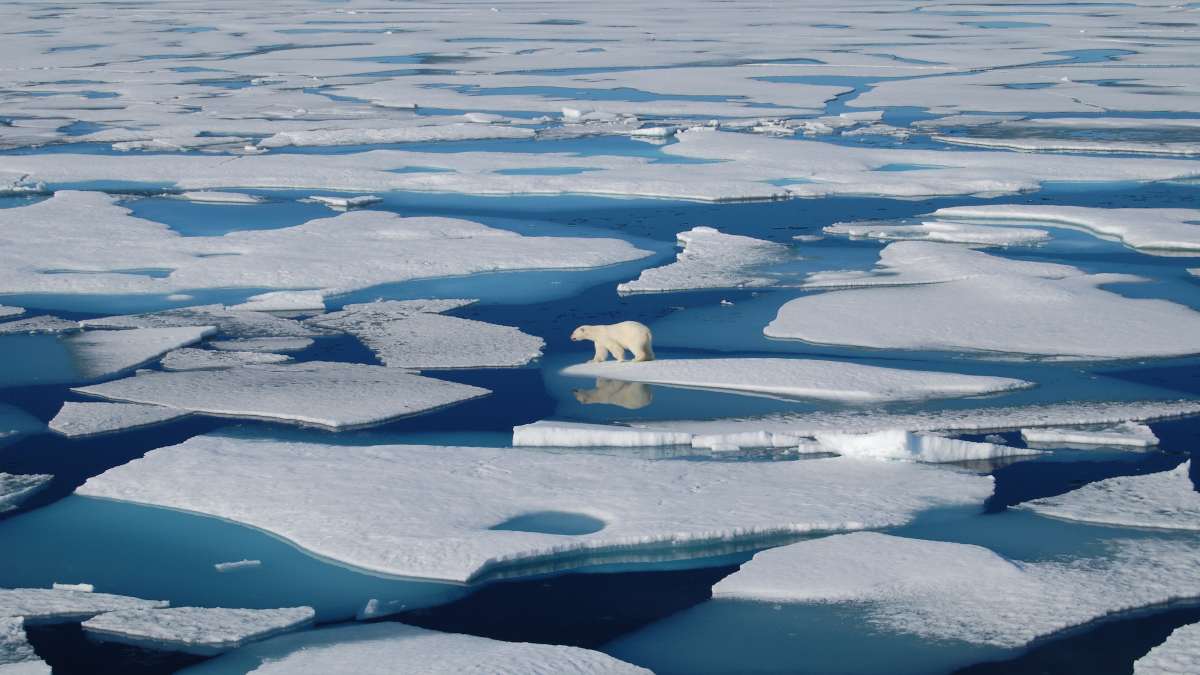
616, 338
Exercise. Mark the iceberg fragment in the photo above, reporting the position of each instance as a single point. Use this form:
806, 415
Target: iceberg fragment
1166, 500
195, 630
1128, 434
919, 447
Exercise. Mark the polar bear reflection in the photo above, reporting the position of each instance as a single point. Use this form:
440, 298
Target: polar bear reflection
629, 395
616, 338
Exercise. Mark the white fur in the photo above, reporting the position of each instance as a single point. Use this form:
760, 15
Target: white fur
616, 338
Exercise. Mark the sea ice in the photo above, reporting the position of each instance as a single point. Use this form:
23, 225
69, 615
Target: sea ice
100, 354
950, 232
331, 395
284, 301
16, 488
1165, 500
16, 654
1129, 434
801, 378
270, 345
918, 447
79, 419
553, 434
190, 358
39, 324
1179, 655
235, 565
6, 311
414, 133
48, 605
433, 511
195, 630
968, 301
414, 334
397, 649
948, 591
711, 259
345, 203
234, 323
215, 197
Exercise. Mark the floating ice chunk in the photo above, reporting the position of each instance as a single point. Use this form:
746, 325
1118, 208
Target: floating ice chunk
654, 132
216, 197
47, 605
437, 508
237, 565
577, 434
16, 488
801, 378
952, 232
484, 118
1126, 433
710, 259
916, 447
39, 324
76, 419
331, 395
284, 345
82, 588
970, 301
1144, 229
99, 354
16, 654
229, 322
190, 358
346, 202
195, 630
947, 591
413, 334
284, 301
397, 649
6, 311
1165, 500
1179, 655
422, 133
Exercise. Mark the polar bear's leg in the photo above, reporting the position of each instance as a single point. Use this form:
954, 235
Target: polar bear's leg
601, 352
615, 348
642, 353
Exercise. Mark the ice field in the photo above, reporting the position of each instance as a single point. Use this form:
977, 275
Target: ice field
287, 382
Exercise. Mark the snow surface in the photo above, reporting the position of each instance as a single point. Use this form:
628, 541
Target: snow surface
950, 232
1179, 655
948, 591
190, 358
88, 418
229, 322
16, 654
6, 311
100, 354
1129, 434
922, 447
39, 324
1165, 500
397, 649
16, 488
269, 345
332, 395
195, 630
415, 133
801, 378
949, 298
554, 434
49, 605
432, 508
414, 334
1144, 229
284, 301
711, 259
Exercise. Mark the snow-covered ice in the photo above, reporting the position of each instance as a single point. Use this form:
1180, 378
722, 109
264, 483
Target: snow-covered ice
801, 378
397, 649
950, 232
415, 334
269, 345
228, 321
918, 447
39, 324
948, 591
1165, 500
215, 197
48, 605
16, 488
89, 418
1129, 434
100, 354
433, 509
195, 630
190, 358
331, 395
963, 300
344, 203
16, 654
1179, 655
711, 259
554, 434
284, 301
83, 588
6, 311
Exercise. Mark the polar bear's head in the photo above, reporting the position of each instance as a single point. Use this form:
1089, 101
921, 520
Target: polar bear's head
581, 333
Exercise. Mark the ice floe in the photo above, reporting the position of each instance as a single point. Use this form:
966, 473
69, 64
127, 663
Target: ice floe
952, 232
48, 605
99, 354
554, 434
435, 510
16, 654
270, 345
346, 203
229, 322
1129, 434
1151, 230
398, 649
1179, 655
284, 301
215, 197
39, 324
957, 299
16, 488
414, 133
79, 419
801, 378
6, 311
415, 334
711, 259
919, 447
1165, 500
190, 358
947, 591
330, 395
195, 630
